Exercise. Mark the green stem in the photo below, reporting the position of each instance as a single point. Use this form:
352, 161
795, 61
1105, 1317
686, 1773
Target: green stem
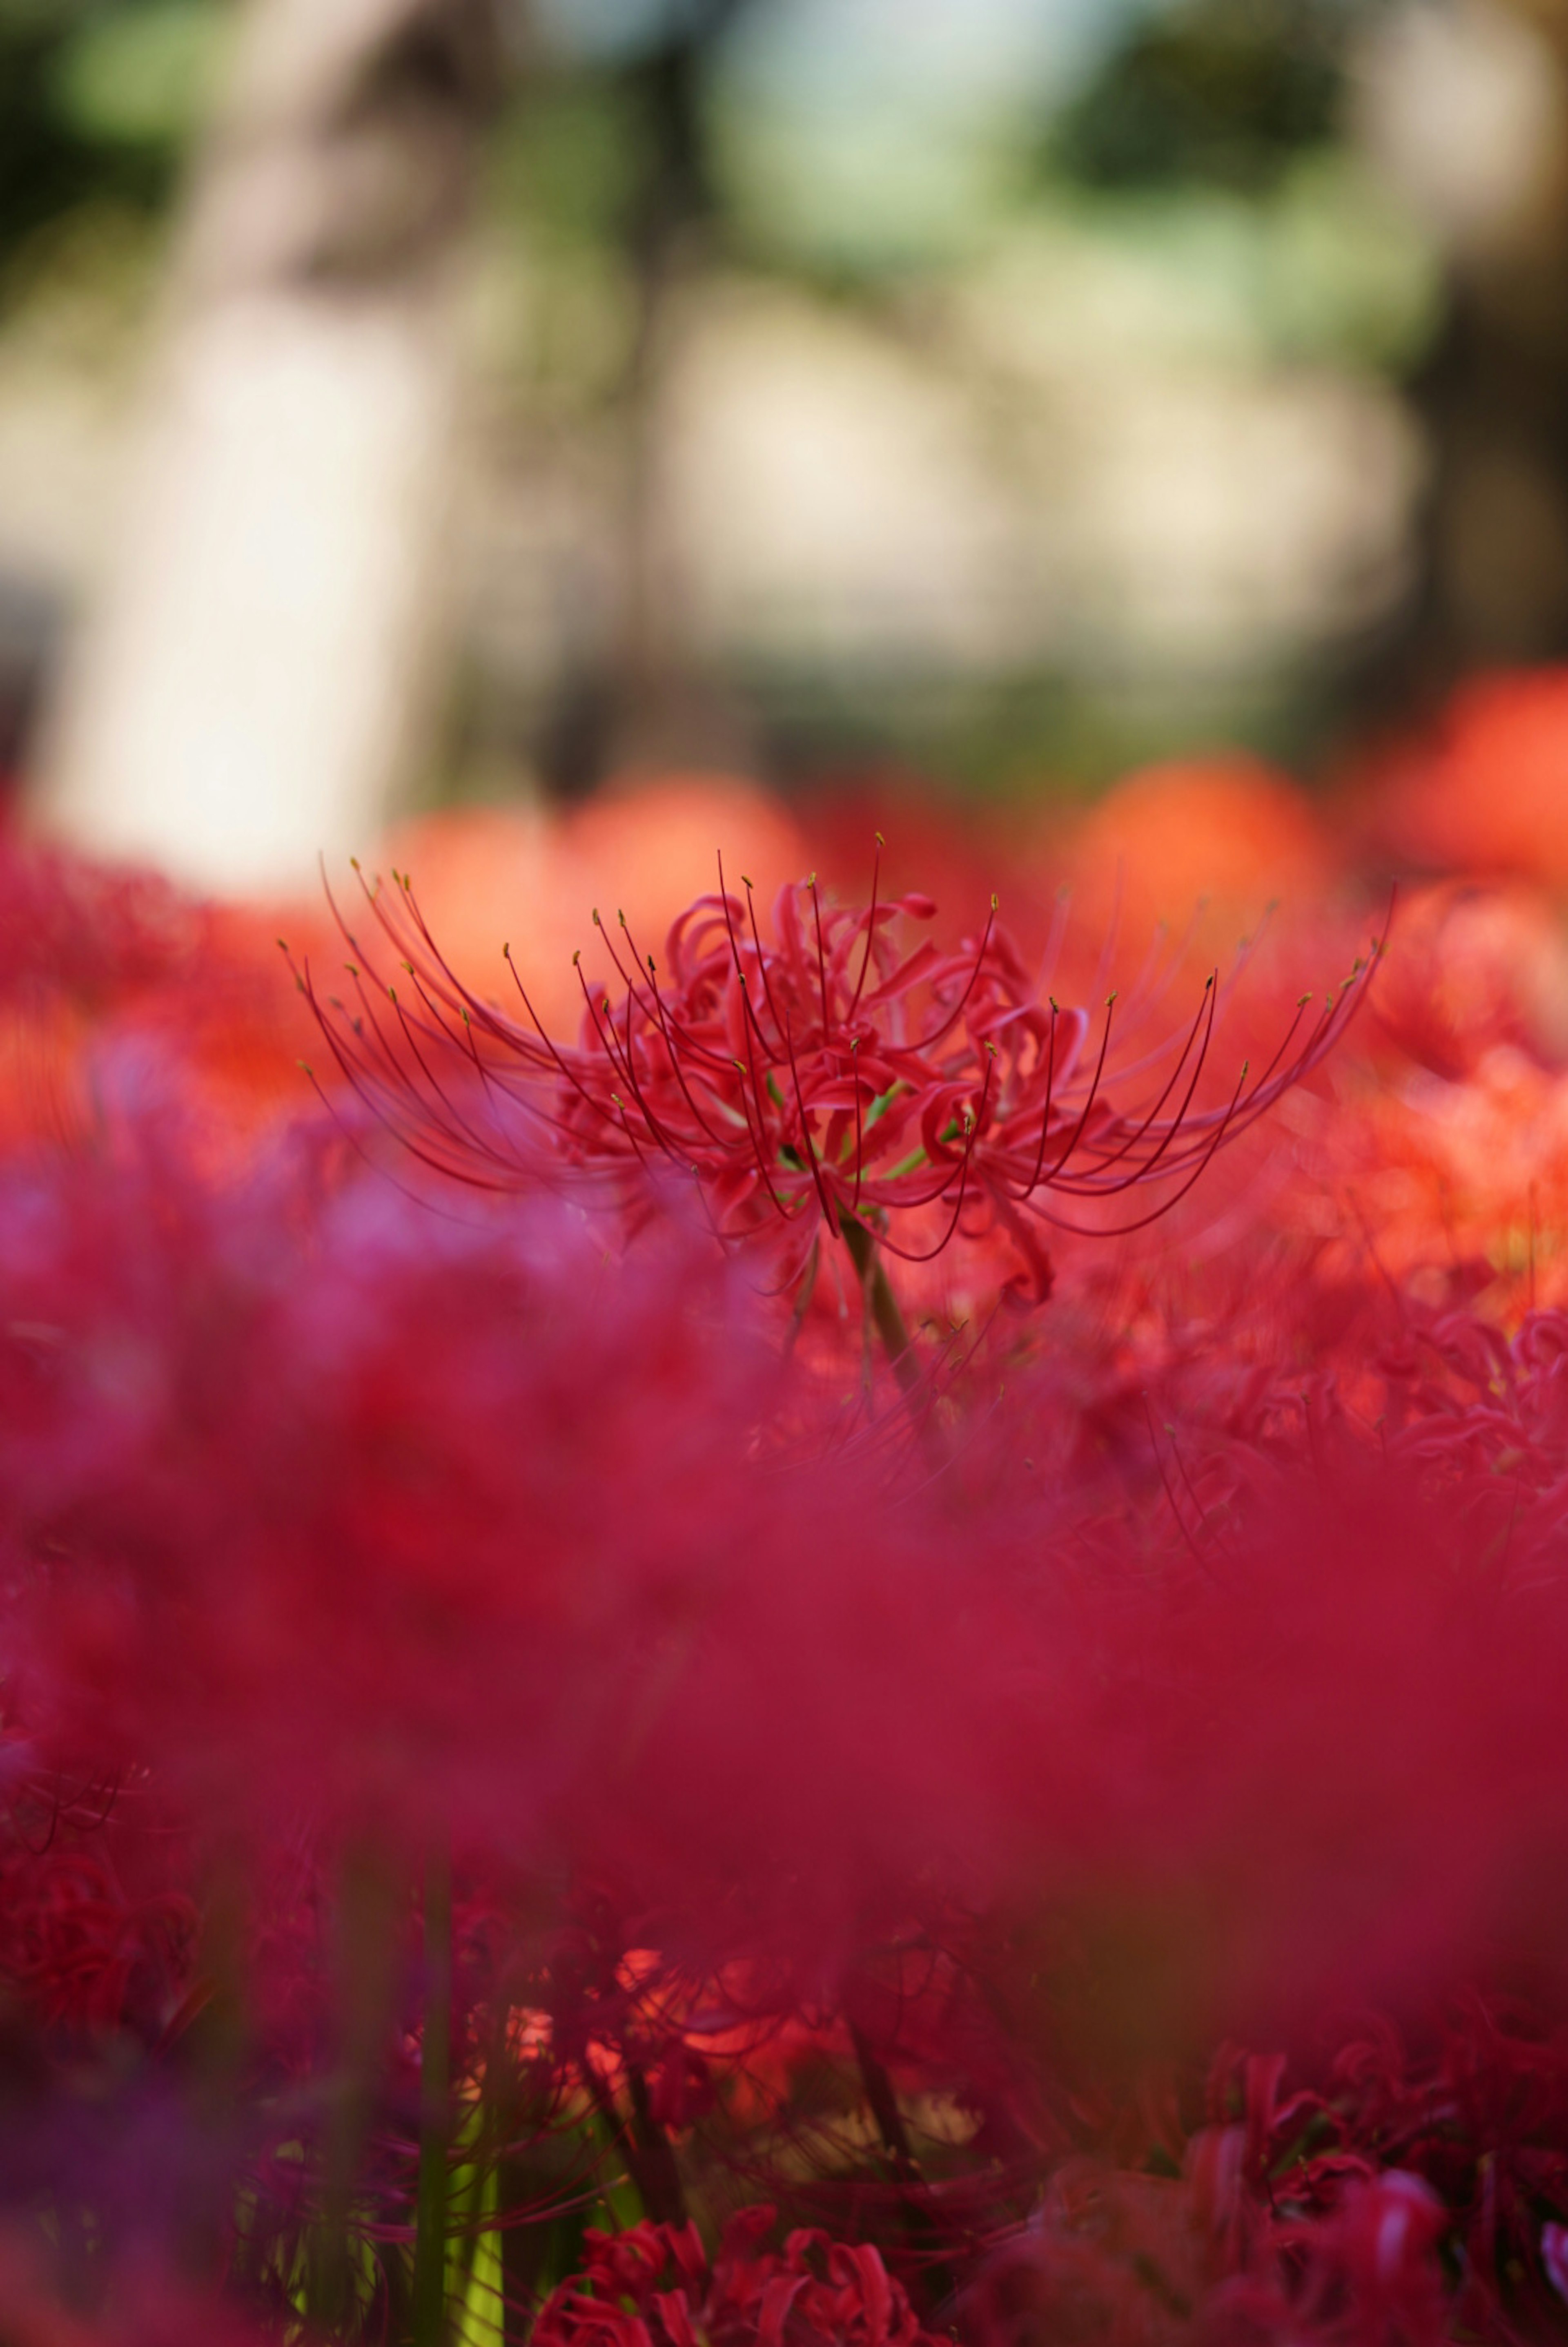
369, 1901
897, 1342
427, 2321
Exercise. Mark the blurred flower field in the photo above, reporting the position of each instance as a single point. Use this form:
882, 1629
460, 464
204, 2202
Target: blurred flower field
802, 1609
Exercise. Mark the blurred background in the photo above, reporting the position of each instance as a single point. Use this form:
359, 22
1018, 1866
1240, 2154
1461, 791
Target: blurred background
407, 404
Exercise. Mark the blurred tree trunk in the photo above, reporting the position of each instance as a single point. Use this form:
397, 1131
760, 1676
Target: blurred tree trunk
263, 674
670, 226
1465, 105
645, 706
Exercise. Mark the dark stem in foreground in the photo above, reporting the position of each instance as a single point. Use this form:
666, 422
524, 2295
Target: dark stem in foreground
427, 2323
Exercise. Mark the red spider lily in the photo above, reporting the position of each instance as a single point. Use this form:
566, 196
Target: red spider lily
653, 2287
445, 1525
82, 1952
831, 1078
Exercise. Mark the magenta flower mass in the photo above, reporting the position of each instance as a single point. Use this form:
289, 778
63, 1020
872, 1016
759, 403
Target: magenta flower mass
598, 1748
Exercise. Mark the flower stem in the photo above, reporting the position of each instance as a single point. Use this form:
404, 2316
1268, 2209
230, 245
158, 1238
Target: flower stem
884, 2105
889, 1321
368, 1902
428, 2312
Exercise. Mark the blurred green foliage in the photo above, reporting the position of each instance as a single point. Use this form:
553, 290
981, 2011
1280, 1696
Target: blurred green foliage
138, 78
98, 99
568, 159
1220, 91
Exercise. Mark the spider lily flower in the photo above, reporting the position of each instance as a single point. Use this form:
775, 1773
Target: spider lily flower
654, 2284
834, 1078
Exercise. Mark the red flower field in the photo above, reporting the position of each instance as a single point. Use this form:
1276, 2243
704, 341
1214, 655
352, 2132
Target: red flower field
846, 1626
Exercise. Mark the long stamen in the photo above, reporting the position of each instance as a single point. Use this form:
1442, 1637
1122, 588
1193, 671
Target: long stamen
569, 1074
677, 1032
821, 959
666, 1019
957, 1011
354, 1077
634, 996
871, 927
617, 1103
758, 1150
1089, 1104
665, 1135
1140, 1132
410, 1031
674, 1057
859, 1129
829, 1215
493, 1083
611, 1043
1123, 1230
453, 988
447, 1036
762, 956
749, 1014
1034, 1182
389, 1080
1284, 1045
